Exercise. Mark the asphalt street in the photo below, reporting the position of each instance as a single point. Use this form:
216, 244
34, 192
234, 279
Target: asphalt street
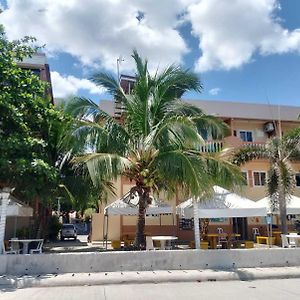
246, 290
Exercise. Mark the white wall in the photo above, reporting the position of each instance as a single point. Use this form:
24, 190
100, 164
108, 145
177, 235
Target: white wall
147, 260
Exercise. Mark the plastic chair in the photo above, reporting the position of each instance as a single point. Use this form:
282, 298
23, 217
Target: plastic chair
220, 230
4, 251
38, 249
116, 244
221, 239
255, 232
292, 241
149, 243
285, 242
15, 245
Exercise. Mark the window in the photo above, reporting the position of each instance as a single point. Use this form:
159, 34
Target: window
297, 177
245, 175
246, 136
259, 178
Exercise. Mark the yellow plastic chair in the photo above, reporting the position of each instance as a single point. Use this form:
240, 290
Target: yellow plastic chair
116, 244
128, 243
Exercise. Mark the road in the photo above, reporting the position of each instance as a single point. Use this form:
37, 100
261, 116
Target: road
246, 290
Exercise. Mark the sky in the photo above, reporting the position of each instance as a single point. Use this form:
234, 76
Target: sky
244, 51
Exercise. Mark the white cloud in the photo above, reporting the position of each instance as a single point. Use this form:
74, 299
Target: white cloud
231, 31
64, 86
97, 32
214, 91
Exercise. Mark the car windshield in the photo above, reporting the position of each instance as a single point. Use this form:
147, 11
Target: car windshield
68, 226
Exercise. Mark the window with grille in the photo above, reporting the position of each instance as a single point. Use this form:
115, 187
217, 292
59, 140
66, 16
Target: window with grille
259, 178
246, 136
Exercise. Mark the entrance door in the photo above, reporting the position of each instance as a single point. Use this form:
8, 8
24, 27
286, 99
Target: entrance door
240, 226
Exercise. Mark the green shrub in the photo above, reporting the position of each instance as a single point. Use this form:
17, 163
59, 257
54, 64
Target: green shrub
53, 228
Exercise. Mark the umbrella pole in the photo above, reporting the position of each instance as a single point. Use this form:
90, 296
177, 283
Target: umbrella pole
106, 236
174, 229
103, 231
268, 230
271, 223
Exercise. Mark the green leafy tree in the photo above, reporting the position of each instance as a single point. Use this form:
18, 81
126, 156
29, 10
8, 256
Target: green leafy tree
156, 143
280, 152
27, 119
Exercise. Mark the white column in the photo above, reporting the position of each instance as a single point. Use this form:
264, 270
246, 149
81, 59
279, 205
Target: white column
4, 196
196, 224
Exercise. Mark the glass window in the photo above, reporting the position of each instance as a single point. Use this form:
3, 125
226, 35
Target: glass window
297, 179
246, 136
259, 178
245, 175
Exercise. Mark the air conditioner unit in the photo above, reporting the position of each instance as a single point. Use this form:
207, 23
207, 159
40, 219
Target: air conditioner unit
269, 127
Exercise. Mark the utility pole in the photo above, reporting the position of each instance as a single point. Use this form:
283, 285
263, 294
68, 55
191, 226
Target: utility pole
119, 61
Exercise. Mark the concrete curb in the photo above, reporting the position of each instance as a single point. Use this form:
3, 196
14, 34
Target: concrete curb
83, 279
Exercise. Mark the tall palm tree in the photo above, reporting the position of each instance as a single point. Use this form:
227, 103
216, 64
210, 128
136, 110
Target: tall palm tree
156, 144
280, 152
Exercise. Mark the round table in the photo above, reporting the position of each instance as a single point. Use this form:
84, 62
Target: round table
164, 239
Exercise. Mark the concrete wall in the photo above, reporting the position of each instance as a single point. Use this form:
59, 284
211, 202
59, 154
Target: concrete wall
147, 261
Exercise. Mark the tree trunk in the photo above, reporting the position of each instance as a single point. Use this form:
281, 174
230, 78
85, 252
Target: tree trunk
196, 224
144, 200
282, 209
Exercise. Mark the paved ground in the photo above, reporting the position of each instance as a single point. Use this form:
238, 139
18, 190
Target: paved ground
246, 290
81, 245
69, 245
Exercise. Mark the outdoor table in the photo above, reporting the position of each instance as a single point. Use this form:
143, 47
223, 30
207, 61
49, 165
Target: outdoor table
265, 240
163, 240
25, 243
213, 239
296, 237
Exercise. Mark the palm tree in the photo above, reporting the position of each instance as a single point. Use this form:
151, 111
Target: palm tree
280, 152
156, 143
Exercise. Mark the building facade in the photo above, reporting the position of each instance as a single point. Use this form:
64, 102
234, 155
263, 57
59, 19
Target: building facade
249, 124
39, 66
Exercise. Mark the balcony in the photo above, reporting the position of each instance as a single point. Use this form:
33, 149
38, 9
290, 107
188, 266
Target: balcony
228, 142
212, 146
236, 142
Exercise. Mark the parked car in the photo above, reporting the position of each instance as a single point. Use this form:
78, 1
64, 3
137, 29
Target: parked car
68, 231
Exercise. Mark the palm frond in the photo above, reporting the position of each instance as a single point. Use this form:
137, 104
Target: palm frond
103, 165
249, 153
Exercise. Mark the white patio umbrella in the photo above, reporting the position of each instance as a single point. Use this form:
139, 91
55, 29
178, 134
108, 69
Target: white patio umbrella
127, 205
292, 205
223, 204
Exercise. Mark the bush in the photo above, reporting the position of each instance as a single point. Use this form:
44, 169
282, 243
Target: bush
54, 227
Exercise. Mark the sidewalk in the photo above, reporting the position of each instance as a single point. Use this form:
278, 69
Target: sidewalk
83, 279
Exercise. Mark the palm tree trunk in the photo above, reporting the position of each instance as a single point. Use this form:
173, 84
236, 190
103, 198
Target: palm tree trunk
282, 209
144, 199
196, 224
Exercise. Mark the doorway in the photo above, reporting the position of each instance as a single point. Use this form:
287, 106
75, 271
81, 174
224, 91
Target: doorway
240, 225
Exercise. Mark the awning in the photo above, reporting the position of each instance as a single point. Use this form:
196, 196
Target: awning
292, 205
223, 204
128, 206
